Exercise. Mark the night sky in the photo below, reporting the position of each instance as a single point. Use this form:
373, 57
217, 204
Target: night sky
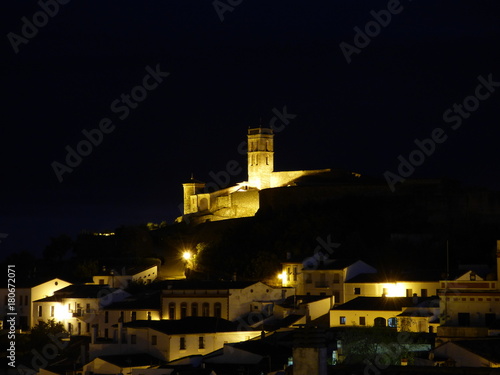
224, 76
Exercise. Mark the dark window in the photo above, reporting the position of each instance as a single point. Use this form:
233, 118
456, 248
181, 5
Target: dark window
362, 321
294, 273
201, 342
379, 322
70, 328
133, 316
106, 332
171, 310
106, 317
342, 320
80, 328
154, 340
205, 309
489, 319
194, 309
87, 328
183, 310
122, 317
26, 300
217, 309
357, 290
409, 293
423, 293
182, 343
133, 339
464, 319
149, 315
336, 278
40, 311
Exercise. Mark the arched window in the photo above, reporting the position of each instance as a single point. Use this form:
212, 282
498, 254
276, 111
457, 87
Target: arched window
194, 309
171, 310
183, 310
379, 322
217, 309
205, 309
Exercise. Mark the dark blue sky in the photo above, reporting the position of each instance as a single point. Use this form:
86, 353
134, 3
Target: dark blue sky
224, 77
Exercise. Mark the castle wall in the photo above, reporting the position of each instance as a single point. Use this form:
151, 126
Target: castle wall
279, 179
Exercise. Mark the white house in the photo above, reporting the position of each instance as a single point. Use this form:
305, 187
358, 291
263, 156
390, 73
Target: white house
122, 364
398, 285
170, 339
468, 353
325, 278
27, 291
120, 277
77, 306
387, 311
228, 300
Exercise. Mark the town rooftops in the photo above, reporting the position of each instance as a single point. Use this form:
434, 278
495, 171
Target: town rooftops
330, 264
29, 283
123, 270
383, 277
143, 301
81, 291
487, 348
387, 303
187, 325
131, 360
201, 284
292, 301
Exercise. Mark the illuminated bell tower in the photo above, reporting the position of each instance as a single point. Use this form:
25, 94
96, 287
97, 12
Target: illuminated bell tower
260, 157
191, 189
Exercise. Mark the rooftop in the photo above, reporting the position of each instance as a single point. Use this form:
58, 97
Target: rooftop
387, 303
190, 324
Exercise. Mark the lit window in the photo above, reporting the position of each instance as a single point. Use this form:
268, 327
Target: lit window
342, 320
392, 322
52, 308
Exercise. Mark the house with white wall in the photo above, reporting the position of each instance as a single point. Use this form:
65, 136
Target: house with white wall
396, 285
77, 306
120, 277
386, 311
468, 353
168, 340
142, 306
326, 278
27, 291
225, 299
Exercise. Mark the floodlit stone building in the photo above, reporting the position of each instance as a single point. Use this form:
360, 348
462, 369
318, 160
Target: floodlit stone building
212, 201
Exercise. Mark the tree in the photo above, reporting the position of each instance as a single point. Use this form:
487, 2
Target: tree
41, 334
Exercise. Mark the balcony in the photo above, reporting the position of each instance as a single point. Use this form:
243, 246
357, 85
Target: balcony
321, 284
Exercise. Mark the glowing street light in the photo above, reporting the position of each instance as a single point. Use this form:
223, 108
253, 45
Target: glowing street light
186, 255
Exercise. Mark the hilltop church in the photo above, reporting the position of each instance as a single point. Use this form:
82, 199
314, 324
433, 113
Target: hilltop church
241, 200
